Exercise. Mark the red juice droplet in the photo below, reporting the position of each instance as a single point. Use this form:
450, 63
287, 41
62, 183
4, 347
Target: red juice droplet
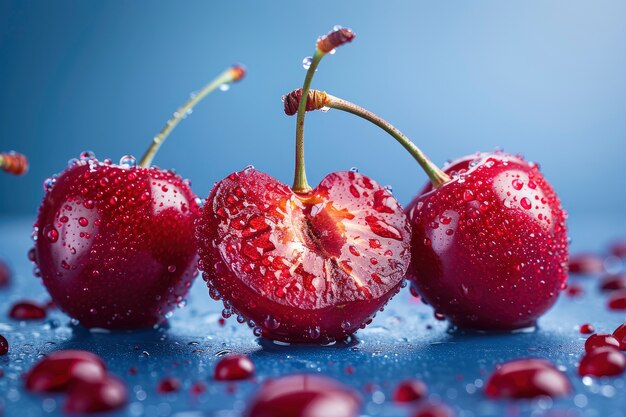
587, 328
617, 300
169, 384
605, 361
620, 335
59, 369
527, 378
27, 310
233, 368
585, 264
600, 340
409, 391
93, 397
613, 282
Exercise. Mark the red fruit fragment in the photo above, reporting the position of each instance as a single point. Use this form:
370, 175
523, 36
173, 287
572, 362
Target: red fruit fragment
304, 396
604, 361
527, 378
59, 369
299, 266
617, 300
434, 410
233, 368
5, 275
4, 346
169, 384
409, 391
613, 282
586, 264
618, 248
620, 335
587, 328
96, 396
600, 340
27, 310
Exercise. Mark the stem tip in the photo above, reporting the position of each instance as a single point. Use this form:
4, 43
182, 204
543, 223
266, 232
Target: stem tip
334, 39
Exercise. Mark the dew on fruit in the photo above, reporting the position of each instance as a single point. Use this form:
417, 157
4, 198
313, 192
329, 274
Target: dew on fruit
48, 184
128, 162
306, 62
87, 155
354, 169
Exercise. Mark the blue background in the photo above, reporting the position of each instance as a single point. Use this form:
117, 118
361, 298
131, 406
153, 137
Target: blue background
545, 79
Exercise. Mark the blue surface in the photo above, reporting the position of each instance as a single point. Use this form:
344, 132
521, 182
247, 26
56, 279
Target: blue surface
403, 341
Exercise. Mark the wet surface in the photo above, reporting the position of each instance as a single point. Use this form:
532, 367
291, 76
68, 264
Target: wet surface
405, 341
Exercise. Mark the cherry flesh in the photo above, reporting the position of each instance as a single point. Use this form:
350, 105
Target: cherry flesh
303, 268
59, 369
106, 394
4, 346
113, 243
620, 335
604, 361
233, 368
409, 391
489, 247
304, 396
27, 310
527, 378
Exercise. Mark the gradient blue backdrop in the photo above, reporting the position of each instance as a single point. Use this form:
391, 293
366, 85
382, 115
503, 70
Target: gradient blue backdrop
546, 79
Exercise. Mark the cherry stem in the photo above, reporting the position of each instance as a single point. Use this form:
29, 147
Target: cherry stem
325, 44
317, 99
232, 74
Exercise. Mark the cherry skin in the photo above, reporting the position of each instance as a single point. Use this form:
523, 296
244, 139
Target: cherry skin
303, 267
489, 247
113, 243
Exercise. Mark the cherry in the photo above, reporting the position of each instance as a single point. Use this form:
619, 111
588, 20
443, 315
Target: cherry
27, 310
434, 410
112, 242
96, 396
234, 367
489, 241
613, 282
409, 391
169, 384
604, 361
587, 328
617, 300
586, 264
4, 346
599, 340
5, 275
304, 396
59, 369
527, 378
13, 163
303, 264
620, 335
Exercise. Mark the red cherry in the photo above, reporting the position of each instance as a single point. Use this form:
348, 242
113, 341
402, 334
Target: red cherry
169, 384
409, 391
434, 410
587, 328
586, 264
114, 243
304, 396
5, 275
620, 335
613, 282
604, 361
618, 249
600, 340
617, 300
233, 368
527, 378
59, 369
4, 346
300, 266
96, 396
27, 310
490, 246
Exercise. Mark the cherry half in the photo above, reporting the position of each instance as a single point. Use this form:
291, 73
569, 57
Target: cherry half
301, 264
113, 243
489, 240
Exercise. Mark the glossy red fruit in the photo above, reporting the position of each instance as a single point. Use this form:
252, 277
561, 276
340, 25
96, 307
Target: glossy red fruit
303, 268
409, 391
59, 369
169, 384
586, 264
5, 275
527, 378
617, 300
114, 243
587, 328
27, 310
304, 396
96, 396
489, 248
4, 346
434, 410
599, 340
613, 282
620, 335
234, 367
605, 361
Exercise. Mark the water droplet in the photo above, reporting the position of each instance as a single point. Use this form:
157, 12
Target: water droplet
225, 87
87, 155
525, 203
271, 323
71, 162
314, 332
325, 109
83, 222
171, 268
248, 168
48, 184
51, 233
128, 161
332, 51
306, 62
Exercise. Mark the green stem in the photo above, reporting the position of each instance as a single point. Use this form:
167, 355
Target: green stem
300, 184
224, 78
435, 174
